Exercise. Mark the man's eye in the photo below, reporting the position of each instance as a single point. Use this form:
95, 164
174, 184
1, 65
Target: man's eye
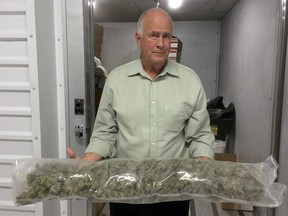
153, 36
167, 37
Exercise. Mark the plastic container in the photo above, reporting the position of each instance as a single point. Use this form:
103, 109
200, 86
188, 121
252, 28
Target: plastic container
219, 146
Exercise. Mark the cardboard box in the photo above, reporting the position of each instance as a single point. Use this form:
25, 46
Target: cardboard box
97, 47
98, 38
174, 54
99, 208
236, 207
97, 54
175, 49
227, 205
98, 29
176, 43
226, 157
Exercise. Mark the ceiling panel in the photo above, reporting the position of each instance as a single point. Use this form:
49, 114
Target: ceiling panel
115, 11
222, 8
130, 10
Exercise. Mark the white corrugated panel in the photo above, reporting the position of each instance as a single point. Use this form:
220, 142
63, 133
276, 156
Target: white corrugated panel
12, 6
19, 97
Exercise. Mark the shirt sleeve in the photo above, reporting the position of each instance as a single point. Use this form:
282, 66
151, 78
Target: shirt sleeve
105, 129
197, 130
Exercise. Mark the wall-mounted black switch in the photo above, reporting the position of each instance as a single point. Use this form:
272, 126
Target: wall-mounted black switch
79, 106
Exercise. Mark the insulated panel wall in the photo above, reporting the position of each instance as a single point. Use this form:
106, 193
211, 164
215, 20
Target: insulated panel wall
19, 101
246, 74
283, 159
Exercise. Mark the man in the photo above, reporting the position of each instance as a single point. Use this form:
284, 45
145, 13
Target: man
151, 108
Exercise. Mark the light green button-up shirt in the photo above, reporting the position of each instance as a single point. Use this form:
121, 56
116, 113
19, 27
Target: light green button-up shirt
143, 118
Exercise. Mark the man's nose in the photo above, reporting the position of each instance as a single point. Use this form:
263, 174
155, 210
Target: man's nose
160, 41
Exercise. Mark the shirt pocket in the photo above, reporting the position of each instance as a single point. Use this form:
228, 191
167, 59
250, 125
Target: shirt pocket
176, 116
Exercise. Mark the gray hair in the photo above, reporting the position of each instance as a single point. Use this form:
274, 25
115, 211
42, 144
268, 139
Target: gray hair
141, 18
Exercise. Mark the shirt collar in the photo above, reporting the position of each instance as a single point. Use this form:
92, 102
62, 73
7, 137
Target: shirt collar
170, 68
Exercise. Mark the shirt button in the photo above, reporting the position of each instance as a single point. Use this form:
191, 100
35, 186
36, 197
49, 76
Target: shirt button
153, 102
153, 143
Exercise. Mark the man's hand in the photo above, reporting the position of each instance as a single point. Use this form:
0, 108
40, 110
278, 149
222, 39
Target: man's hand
89, 156
202, 158
71, 154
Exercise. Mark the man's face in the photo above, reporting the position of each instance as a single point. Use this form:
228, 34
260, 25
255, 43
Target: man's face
156, 39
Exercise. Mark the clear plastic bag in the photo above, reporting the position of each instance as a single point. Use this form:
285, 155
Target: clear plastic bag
147, 181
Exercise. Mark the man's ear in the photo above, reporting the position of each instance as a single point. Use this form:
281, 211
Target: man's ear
138, 37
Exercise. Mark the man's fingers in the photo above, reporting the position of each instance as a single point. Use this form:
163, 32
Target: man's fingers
90, 156
71, 153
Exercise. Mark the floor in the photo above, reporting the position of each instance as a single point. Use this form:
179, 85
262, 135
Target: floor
202, 208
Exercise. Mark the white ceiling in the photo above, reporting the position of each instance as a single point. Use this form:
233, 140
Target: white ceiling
191, 10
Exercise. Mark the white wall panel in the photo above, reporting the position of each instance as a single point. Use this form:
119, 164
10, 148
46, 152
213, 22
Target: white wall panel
15, 99
16, 147
16, 213
14, 50
13, 25
15, 5
16, 124
14, 74
19, 104
5, 194
5, 170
